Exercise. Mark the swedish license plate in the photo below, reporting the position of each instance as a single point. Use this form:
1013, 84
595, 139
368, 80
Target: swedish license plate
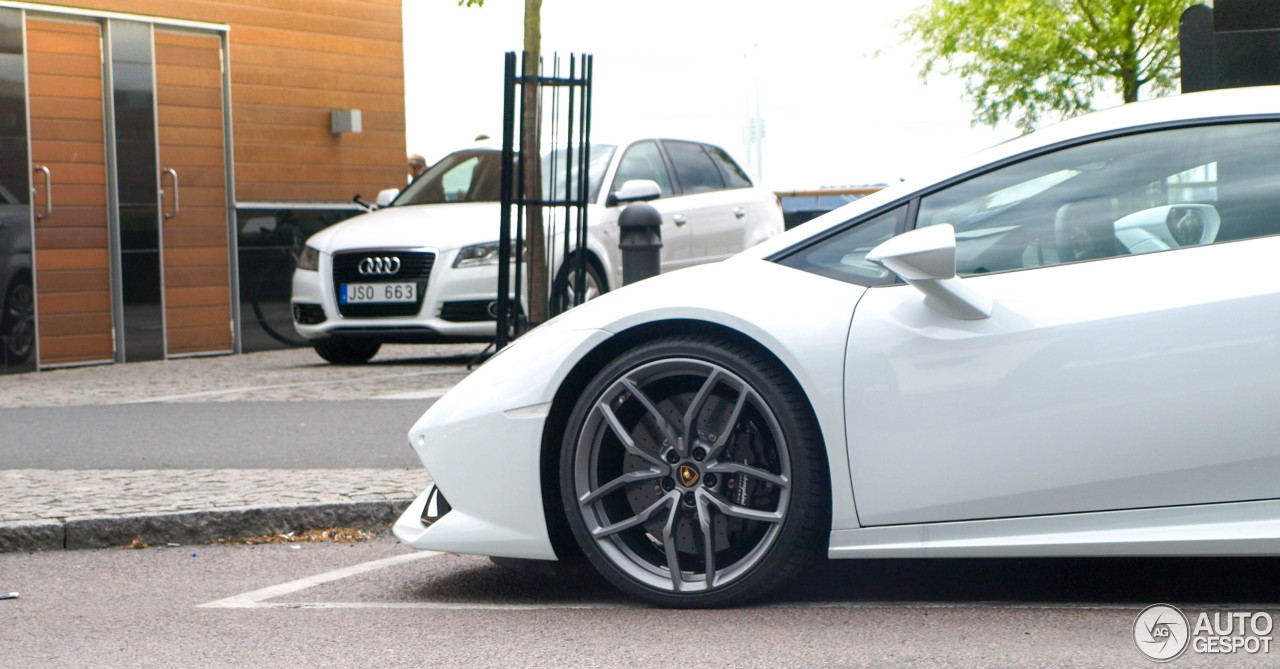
363, 293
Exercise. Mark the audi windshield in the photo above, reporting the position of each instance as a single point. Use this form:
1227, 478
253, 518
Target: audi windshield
475, 175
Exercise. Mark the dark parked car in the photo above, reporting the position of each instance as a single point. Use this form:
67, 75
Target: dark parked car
18, 318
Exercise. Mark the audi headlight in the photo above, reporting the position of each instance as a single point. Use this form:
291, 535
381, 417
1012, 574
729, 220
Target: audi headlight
309, 259
477, 255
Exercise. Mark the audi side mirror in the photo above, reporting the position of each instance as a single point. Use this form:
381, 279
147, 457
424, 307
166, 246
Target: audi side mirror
387, 196
635, 190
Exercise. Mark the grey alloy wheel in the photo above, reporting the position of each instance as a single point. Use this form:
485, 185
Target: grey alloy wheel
680, 477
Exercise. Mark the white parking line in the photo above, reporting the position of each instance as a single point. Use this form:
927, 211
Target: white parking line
251, 600
439, 606
257, 599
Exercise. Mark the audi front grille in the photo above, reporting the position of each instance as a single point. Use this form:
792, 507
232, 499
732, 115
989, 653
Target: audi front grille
414, 266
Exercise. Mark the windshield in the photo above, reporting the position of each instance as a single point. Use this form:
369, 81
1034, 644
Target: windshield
475, 175
556, 164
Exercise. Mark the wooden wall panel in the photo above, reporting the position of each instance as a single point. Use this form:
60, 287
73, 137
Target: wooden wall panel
72, 260
197, 288
291, 62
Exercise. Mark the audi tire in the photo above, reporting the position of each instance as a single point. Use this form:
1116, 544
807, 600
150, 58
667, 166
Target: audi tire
693, 474
562, 289
346, 351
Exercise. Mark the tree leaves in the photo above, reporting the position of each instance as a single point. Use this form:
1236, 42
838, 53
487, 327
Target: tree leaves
1025, 60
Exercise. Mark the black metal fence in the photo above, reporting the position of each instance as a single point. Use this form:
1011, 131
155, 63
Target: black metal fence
555, 196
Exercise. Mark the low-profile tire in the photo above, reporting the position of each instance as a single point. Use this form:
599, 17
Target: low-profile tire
346, 351
693, 474
562, 289
18, 322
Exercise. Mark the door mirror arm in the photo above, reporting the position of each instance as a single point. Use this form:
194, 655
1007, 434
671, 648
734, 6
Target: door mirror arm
926, 259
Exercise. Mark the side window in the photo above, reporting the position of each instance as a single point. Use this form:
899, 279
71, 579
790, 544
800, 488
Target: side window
733, 175
844, 256
694, 168
643, 161
1144, 193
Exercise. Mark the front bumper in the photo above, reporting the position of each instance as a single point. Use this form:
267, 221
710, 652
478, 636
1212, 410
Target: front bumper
313, 294
482, 445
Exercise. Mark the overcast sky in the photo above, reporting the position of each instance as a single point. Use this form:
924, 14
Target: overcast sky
835, 113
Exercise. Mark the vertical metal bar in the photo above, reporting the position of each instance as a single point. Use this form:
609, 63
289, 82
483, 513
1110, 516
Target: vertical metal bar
554, 164
155, 119
588, 65
521, 199
570, 187
548, 245
507, 201
35, 284
229, 163
114, 244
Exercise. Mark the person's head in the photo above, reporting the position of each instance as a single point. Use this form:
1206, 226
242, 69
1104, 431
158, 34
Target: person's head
417, 165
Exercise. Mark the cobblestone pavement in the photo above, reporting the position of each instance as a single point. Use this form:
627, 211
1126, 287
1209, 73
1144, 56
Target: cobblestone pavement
52, 494
42, 508
287, 375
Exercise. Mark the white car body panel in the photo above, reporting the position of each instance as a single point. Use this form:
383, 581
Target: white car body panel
1144, 385
1093, 386
1245, 528
505, 494
498, 507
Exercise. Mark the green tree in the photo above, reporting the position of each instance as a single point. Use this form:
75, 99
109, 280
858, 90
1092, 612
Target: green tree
1022, 60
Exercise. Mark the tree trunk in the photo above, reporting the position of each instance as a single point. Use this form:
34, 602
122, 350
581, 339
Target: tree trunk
530, 123
1129, 65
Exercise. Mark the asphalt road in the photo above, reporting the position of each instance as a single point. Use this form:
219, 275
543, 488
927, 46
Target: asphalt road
205, 606
236, 435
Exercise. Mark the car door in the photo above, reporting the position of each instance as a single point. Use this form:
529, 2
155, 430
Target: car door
643, 160
1129, 359
712, 211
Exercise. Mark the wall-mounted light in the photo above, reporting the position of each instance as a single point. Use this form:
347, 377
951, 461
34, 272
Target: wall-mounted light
345, 120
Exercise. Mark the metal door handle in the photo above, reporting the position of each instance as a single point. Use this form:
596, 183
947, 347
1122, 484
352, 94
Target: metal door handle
740, 212
48, 192
173, 174
679, 219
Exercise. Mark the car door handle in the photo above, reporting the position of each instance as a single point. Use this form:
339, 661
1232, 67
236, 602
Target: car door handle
740, 212
679, 219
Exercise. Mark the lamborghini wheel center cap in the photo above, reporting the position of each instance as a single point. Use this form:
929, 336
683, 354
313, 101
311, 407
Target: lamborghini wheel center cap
689, 475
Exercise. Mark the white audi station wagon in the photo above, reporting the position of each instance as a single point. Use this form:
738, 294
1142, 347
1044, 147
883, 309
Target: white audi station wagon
425, 268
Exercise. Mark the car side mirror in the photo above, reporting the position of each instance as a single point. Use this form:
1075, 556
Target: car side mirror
385, 197
926, 259
635, 190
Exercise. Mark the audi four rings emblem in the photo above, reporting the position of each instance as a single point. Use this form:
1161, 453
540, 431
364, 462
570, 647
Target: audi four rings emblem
384, 265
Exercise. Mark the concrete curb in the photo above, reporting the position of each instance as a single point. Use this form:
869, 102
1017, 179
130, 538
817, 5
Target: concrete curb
195, 527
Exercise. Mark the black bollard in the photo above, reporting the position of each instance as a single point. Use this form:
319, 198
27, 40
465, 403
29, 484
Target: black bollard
640, 239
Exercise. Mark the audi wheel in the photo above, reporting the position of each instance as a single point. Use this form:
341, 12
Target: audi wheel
564, 289
693, 474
